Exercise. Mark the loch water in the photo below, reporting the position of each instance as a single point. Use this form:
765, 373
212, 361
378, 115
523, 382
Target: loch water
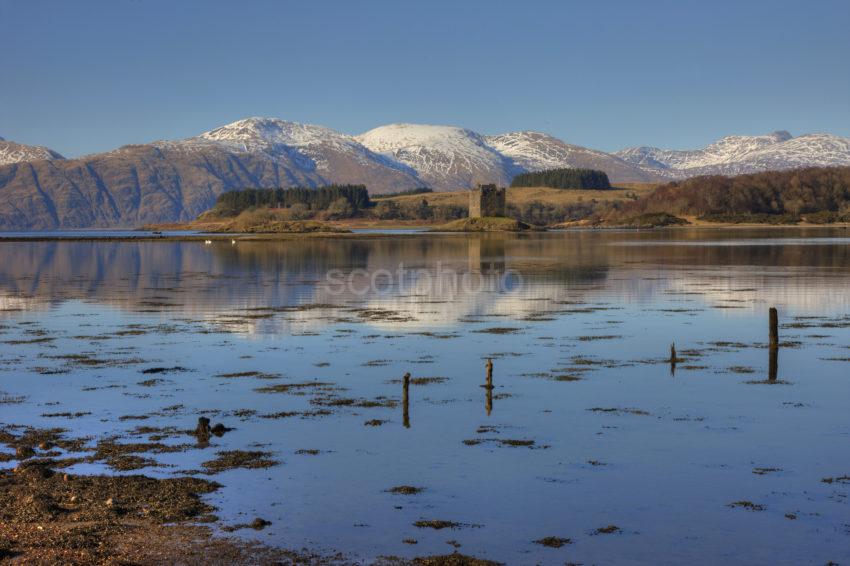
300, 347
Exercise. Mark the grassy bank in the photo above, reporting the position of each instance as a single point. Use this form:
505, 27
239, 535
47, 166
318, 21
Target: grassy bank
518, 196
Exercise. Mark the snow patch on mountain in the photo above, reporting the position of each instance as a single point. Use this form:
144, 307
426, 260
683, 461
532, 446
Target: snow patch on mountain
535, 151
734, 155
273, 136
257, 134
804, 151
447, 156
12, 152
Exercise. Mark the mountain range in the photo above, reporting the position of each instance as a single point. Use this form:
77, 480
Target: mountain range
167, 181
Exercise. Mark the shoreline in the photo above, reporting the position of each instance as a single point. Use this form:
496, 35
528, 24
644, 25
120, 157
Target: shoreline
59, 517
397, 231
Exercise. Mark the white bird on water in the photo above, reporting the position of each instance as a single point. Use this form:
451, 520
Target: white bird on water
232, 242
208, 242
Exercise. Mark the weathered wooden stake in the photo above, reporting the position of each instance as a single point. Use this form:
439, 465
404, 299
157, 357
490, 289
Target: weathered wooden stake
774, 328
773, 360
405, 400
673, 359
488, 387
773, 364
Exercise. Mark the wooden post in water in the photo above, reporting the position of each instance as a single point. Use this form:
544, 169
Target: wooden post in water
488, 388
773, 364
773, 360
405, 400
673, 359
774, 328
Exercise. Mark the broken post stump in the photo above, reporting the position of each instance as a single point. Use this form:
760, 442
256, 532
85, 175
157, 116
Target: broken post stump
202, 432
774, 328
203, 428
773, 364
773, 360
673, 359
488, 387
405, 400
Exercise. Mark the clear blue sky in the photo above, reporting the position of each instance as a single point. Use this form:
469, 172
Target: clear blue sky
88, 76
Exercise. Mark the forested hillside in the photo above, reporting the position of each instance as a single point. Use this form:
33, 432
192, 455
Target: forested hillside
563, 179
322, 198
818, 194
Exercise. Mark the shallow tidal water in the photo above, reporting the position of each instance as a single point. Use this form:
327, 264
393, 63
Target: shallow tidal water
300, 348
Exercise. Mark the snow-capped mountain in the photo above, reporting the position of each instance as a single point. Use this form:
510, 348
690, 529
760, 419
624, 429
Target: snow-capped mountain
535, 151
272, 135
253, 134
335, 157
734, 155
12, 152
445, 157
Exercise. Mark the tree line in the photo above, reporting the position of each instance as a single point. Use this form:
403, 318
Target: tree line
818, 194
563, 179
356, 198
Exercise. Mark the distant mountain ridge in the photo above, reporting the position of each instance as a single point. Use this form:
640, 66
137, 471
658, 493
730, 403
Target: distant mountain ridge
175, 180
12, 152
536, 151
735, 155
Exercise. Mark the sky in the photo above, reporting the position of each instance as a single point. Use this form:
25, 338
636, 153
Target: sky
88, 76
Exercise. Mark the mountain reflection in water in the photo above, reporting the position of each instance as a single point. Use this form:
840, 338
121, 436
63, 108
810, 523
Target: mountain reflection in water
443, 278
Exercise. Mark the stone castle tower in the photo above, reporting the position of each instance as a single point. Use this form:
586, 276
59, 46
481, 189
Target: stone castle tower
486, 200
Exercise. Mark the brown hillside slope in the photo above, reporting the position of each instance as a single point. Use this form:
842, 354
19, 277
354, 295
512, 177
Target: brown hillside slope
814, 194
150, 184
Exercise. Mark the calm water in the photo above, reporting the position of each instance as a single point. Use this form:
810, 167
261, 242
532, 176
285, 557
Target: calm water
572, 321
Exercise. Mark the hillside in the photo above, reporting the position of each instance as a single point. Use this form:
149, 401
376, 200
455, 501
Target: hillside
817, 194
132, 186
12, 152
